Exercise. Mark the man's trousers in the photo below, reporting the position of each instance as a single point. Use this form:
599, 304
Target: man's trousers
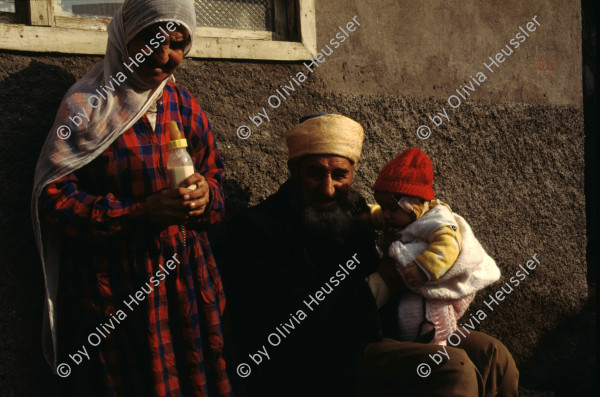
479, 365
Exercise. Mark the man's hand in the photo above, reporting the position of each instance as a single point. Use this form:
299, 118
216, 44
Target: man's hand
195, 200
391, 276
379, 289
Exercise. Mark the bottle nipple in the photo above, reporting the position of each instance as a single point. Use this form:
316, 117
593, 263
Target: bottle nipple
177, 139
174, 132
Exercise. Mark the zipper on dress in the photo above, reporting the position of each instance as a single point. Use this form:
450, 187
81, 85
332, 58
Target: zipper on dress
182, 231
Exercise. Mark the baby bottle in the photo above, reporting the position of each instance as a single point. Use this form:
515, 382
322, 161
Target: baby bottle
179, 163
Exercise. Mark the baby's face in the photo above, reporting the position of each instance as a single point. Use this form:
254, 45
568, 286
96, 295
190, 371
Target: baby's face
394, 216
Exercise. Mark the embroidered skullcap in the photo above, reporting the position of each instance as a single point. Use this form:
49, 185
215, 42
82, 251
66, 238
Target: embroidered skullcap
310, 116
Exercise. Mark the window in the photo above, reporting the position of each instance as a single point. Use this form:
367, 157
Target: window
87, 8
7, 6
247, 15
236, 29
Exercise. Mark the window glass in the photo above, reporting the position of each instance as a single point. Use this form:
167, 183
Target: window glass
7, 5
235, 14
89, 8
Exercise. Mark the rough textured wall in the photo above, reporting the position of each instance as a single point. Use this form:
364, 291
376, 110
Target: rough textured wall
509, 161
431, 47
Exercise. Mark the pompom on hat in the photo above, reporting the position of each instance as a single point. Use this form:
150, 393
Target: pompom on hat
325, 134
409, 174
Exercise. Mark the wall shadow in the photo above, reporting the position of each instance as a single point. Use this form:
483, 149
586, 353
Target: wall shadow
29, 100
573, 341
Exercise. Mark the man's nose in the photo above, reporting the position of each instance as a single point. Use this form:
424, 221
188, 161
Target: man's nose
327, 187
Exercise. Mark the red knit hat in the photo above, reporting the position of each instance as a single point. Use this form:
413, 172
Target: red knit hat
410, 174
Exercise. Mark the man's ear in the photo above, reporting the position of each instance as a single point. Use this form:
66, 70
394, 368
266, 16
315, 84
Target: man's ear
293, 165
353, 171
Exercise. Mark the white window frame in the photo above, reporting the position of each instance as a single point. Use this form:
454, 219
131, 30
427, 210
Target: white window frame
47, 32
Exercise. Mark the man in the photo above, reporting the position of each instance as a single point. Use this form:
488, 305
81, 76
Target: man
304, 317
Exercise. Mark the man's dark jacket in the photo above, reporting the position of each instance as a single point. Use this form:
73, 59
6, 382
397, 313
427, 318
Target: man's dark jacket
274, 266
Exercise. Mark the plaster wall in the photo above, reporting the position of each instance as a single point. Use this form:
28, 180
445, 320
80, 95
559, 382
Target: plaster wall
509, 159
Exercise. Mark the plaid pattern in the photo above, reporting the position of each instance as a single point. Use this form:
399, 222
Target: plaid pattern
171, 341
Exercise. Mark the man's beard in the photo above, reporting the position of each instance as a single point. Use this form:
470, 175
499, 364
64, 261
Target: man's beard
334, 224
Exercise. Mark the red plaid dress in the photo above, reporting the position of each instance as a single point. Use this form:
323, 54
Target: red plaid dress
167, 340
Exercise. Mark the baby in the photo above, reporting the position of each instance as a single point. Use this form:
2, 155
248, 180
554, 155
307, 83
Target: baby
434, 250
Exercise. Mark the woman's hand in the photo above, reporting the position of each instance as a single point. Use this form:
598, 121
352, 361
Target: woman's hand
176, 206
166, 207
196, 199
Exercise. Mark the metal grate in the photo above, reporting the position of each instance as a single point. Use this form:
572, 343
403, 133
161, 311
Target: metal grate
235, 14
7, 5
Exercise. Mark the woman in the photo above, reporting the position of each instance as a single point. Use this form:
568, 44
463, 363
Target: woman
133, 296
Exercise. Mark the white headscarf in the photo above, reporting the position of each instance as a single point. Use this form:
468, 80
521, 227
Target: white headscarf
82, 140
